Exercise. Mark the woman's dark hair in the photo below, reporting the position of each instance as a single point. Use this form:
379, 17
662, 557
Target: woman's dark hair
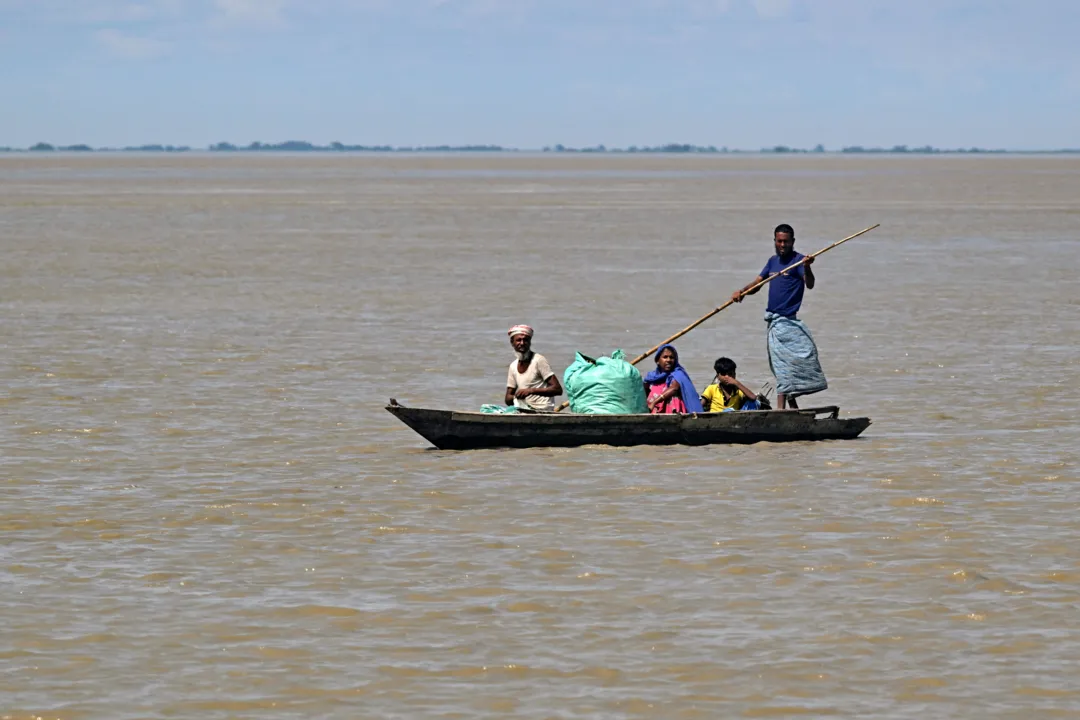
724, 366
660, 351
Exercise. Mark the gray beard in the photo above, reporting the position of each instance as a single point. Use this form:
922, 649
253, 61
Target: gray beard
524, 357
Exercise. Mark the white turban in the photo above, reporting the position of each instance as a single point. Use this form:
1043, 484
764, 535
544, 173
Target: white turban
520, 330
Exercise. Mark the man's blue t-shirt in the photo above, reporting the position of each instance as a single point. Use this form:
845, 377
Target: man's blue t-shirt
786, 291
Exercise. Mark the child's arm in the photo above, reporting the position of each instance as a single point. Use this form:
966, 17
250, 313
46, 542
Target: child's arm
747, 392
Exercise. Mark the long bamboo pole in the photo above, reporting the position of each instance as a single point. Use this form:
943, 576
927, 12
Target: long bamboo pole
729, 303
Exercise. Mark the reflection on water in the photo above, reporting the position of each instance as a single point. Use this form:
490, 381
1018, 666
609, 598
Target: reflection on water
207, 513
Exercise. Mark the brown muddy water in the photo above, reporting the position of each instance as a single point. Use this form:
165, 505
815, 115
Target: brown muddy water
206, 512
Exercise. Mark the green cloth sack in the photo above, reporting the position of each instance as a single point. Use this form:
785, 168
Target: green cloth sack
498, 409
604, 386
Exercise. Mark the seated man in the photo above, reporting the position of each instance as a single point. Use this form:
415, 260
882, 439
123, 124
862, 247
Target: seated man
726, 392
530, 384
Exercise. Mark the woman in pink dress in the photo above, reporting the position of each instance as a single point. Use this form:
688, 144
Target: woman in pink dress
668, 387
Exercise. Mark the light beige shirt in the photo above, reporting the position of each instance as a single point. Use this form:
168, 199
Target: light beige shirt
535, 376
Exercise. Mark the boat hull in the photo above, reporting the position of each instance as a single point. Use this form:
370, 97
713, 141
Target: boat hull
452, 430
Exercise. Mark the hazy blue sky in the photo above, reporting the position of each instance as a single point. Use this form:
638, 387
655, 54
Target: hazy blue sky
526, 73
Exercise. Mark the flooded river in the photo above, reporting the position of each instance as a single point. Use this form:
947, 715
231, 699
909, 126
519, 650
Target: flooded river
208, 514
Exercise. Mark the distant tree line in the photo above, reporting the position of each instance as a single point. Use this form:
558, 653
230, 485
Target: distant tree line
669, 148
304, 146
785, 149
289, 146
298, 146
47, 147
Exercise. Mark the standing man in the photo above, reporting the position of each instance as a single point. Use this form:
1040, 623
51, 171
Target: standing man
793, 356
530, 384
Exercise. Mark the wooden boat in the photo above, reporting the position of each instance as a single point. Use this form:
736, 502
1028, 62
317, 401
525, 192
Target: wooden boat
453, 430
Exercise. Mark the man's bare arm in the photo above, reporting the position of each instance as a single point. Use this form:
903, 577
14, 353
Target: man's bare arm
551, 388
739, 294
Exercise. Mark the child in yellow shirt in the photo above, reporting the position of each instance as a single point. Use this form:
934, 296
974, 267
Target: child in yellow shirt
726, 393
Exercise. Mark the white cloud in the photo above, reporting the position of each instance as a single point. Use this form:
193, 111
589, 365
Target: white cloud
704, 9
131, 47
251, 13
773, 8
96, 11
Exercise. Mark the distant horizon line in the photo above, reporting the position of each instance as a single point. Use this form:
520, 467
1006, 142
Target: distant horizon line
669, 148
